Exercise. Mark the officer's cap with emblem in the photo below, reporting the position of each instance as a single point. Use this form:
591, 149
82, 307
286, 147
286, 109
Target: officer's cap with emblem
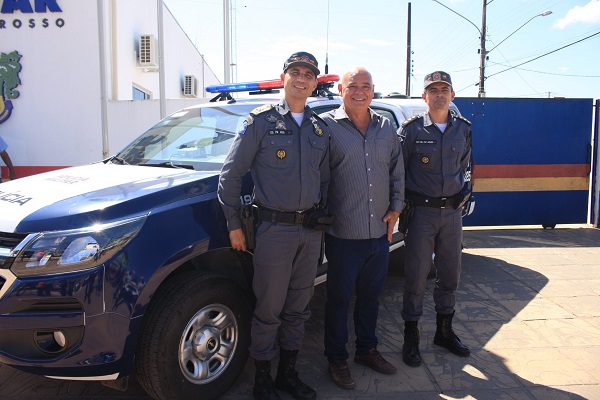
302, 58
437, 76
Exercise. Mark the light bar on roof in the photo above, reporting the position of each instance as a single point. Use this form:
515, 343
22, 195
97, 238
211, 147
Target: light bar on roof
262, 85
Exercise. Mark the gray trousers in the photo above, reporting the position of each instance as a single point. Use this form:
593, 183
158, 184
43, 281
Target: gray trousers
439, 231
285, 266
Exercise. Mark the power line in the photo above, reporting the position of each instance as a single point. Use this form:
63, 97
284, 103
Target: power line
553, 73
545, 54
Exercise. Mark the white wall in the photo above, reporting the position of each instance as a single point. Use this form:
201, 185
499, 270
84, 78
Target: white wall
57, 119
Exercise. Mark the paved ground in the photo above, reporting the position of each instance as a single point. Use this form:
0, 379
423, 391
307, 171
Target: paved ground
528, 307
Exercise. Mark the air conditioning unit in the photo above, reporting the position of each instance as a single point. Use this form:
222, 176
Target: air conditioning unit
190, 86
148, 53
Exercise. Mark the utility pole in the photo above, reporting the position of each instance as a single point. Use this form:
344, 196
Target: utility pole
227, 43
483, 54
408, 53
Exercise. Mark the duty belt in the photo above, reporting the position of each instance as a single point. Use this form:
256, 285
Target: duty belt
435, 202
283, 217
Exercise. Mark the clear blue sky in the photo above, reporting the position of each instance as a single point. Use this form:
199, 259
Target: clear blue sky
373, 34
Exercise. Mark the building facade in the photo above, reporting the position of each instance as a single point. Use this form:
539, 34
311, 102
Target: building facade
81, 79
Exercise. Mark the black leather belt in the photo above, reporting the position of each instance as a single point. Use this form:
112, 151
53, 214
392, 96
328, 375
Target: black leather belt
283, 217
435, 202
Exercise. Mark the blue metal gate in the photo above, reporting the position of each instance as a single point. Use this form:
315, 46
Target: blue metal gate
532, 160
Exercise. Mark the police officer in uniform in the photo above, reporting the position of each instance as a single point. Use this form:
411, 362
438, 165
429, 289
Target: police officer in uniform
285, 148
437, 159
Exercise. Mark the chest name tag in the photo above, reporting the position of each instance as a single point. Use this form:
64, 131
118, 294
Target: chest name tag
284, 132
426, 141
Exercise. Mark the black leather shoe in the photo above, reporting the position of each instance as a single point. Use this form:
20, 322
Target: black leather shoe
445, 336
410, 349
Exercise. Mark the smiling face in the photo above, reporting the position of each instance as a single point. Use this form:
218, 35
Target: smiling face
298, 82
357, 90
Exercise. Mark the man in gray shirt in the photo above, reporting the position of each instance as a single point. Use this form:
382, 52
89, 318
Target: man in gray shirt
366, 195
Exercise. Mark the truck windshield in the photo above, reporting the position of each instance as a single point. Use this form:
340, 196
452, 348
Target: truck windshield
197, 138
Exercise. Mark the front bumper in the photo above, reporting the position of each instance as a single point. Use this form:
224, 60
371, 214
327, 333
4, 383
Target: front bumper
59, 325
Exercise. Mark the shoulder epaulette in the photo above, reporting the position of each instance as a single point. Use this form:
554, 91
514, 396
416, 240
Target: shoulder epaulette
262, 109
463, 118
317, 116
411, 119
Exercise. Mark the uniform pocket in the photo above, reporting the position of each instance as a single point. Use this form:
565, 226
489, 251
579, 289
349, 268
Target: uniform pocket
458, 149
318, 146
281, 146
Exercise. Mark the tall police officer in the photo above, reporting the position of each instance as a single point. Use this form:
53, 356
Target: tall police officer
437, 158
285, 148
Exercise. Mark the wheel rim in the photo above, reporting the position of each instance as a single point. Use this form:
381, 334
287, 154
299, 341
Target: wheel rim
208, 344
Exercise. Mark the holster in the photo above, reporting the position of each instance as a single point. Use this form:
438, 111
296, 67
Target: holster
462, 197
249, 214
318, 219
406, 216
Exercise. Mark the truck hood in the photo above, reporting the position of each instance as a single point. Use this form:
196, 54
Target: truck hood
76, 197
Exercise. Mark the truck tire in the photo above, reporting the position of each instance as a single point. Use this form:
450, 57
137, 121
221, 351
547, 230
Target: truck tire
194, 339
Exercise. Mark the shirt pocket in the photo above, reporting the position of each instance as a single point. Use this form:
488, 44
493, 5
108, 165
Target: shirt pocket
383, 151
280, 147
458, 149
426, 154
318, 146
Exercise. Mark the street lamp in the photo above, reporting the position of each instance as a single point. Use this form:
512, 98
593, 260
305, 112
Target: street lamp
482, 52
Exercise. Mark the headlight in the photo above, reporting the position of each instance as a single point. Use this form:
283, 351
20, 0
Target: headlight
72, 250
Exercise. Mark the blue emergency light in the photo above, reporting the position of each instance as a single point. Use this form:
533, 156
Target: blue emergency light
262, 85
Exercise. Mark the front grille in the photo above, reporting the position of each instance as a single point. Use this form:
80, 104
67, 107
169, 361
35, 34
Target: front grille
9, 241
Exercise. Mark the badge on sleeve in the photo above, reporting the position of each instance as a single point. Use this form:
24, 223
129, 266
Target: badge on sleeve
281, 154
317, 129
247, 122
425, 160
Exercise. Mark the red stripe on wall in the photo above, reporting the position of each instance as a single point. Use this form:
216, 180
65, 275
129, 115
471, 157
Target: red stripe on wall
23, 171
531, 171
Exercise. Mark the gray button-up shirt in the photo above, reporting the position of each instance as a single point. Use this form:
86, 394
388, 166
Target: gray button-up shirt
367, 175
436, 163
288, 163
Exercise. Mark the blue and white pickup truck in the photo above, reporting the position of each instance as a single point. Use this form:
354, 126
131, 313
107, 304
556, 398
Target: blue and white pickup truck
125, 264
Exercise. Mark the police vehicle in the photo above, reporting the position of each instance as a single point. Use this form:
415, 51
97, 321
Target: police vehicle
125, 264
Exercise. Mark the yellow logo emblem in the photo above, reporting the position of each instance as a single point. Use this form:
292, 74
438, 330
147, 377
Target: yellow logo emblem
281, 154
425, 160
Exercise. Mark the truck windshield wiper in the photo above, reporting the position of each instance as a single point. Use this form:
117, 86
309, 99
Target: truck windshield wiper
169, 164
118, 160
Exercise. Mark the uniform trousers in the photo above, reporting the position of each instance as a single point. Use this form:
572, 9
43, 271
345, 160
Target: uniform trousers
285, 266
360, 265
439, 231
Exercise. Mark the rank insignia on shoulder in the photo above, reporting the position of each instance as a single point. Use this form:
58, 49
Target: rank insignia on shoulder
317, 129
281, 154
425, 160
271, 118
463, 118
261, 109
411, 119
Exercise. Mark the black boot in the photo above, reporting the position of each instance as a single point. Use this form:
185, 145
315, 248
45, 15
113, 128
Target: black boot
287, 377
445, 336
263, 384
410, 349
